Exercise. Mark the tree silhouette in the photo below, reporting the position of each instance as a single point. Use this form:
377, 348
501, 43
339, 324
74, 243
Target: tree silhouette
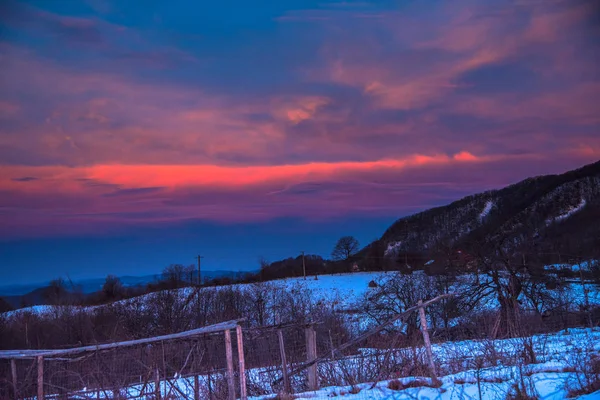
345, 248
112, 288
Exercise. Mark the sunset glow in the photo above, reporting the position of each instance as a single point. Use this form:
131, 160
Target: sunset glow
116, 116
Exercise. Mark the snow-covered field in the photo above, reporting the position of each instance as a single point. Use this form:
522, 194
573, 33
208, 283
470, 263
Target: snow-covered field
343, 291
471, 369
346, 289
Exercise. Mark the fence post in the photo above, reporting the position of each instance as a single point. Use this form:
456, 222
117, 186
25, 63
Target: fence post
229, 354
311, 354
427, 342
196, 388
284, 370
40, 377
240, 347
157, 384
13, 371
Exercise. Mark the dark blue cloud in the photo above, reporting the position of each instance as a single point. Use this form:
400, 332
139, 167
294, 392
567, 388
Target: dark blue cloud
515, 77
133, 192
25, 179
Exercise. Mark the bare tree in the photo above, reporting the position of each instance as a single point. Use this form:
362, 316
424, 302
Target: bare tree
345, 248
394, 294
176, 274
56, 292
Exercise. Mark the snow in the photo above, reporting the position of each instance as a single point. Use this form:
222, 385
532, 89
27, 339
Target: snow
392, 248
486, 210
550, 378
568, 213
344, 291
591, 396
583, 266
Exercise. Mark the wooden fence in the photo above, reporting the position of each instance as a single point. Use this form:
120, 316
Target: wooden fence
221, 361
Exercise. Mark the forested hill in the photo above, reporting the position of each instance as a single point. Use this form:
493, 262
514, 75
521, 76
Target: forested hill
551, 214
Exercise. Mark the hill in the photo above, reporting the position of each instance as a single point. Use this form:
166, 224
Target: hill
555, 215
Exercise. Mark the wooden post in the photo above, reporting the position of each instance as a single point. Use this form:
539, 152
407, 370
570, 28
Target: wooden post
210, 390
311, 354
229, 354
240, 348
40, 378
284, 370
196, 388
157, 384
427, 342
13, 371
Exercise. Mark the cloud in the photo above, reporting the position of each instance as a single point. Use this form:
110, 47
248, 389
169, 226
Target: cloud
133, 192
25, 179
324, 109
63, 198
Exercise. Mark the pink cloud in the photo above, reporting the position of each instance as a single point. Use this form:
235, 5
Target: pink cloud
108, 197
386, 100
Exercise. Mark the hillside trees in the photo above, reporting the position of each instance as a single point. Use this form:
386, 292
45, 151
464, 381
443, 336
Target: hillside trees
5, 305
56, 292
112, 288
177, 275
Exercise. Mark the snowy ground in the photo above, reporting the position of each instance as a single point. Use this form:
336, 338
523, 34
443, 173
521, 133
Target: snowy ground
467, 369
558, 369
343, 291
346, 289
543, 385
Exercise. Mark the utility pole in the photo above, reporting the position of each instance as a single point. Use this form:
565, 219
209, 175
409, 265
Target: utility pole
303, 266
199, 276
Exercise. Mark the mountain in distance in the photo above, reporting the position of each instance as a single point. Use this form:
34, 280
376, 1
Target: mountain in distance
34, 293
553, 213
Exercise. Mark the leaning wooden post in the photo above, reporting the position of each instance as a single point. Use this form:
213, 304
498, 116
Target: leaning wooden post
13, 371
240, 348
427, 342
40, 377
229, 354
284, 370
311, 354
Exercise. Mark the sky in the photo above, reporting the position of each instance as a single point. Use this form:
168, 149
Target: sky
135, 137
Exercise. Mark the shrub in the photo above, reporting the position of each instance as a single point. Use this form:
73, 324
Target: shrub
395, 385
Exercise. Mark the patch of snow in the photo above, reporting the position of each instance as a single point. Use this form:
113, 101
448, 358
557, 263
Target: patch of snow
582, 266
486, 210
591, 396
392, 248
568, 213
